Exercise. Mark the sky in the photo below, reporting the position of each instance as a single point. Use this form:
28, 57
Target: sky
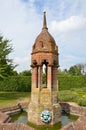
21, 22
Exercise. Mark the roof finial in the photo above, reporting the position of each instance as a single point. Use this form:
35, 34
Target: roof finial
44, 21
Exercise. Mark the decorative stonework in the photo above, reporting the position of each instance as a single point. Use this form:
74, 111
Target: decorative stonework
46, 116
44, 96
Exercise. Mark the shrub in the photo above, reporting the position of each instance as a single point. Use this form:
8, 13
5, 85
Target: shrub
81, 101
16, 83
23, 83
71, 82
68, 96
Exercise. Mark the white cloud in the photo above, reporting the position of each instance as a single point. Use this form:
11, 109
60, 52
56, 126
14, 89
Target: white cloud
70, 35
70, 60
20, 60
21, 22
74, 22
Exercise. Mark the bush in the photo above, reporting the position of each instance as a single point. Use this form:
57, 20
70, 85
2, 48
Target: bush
23, 83
82, 102
16, 83
68, 96
71, 82
71, 96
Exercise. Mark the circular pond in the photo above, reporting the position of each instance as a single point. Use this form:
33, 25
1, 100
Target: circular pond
65, 119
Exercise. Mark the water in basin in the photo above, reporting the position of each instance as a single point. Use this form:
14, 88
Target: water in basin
65, 119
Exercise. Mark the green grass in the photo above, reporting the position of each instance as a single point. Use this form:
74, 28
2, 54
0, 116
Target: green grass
12, 98
77, 95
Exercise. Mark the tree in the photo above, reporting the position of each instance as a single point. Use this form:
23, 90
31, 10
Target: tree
6, 64
78, 69
25, 73
74, 70
82, 68
62, 72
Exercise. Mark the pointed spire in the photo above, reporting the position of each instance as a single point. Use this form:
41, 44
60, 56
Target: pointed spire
44, 21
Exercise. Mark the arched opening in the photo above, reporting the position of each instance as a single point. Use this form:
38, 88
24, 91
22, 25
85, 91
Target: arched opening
44, 73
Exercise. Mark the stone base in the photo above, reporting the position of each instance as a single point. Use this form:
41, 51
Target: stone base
41, 101
35, 111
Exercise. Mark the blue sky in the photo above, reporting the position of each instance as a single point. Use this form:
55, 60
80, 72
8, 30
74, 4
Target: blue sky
21, 22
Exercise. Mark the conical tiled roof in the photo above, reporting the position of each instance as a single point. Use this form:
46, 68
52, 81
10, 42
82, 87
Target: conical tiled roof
44, 41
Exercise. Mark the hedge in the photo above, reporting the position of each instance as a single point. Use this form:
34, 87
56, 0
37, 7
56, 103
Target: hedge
23, 84
71, 82
16, 83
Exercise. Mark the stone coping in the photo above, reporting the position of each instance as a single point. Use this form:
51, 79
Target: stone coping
72, 108
6, 112
12, 108
3, 117
14, 126
79, 124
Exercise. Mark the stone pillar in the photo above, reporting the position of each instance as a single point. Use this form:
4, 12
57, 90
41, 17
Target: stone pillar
39, 76
34, 77
46, 75
49, 77
54, 77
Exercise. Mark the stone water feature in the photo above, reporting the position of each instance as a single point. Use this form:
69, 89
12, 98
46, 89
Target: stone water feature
65, 119
44, 108
79, 124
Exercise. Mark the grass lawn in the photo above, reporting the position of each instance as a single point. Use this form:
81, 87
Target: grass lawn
12, 98
77, 95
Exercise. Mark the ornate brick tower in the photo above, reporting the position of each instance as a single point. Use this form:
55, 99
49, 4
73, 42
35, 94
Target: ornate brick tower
44, 107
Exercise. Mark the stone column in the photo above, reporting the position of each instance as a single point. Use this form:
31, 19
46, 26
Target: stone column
54, 78
34, 77
49, 77
39, 76
46, 74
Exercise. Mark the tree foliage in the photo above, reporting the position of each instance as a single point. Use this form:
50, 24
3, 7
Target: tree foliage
6, 64
78, 69
16, 83
25, 73
74, 70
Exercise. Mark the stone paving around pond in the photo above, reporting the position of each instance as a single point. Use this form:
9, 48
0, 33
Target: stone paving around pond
4, 118
14, 126
80, 124
74, 109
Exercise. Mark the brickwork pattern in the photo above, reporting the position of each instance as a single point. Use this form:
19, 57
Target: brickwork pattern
44, 52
